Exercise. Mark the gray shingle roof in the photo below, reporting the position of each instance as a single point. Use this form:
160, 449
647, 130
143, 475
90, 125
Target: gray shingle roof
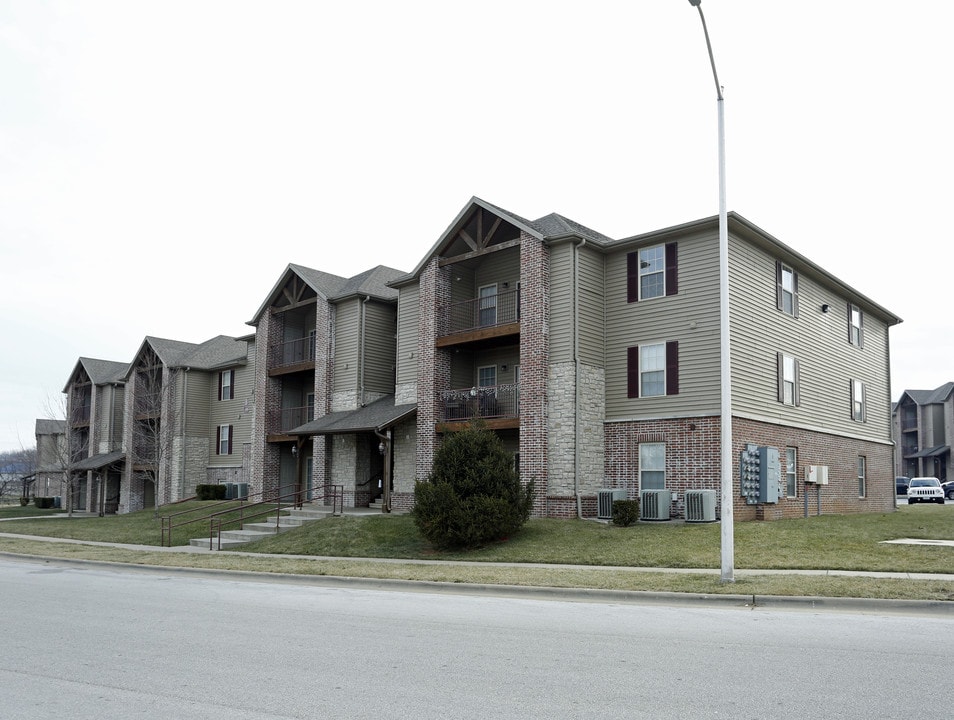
374, 416
102, 372
371, 282
930, 397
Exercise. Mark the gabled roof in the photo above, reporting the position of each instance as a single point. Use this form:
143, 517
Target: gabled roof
330, 287
220, 351
100, 372
930, 397
548, 228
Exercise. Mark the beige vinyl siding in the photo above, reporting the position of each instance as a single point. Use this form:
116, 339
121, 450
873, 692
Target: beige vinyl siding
499, 267
562, 315
818, 340
196, 399
690, 317
464, 365
379, 333
409, 312
563, 300
592, 305
347, 321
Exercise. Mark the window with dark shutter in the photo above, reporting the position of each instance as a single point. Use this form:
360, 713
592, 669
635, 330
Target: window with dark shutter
672, 368
672, 269
632, 371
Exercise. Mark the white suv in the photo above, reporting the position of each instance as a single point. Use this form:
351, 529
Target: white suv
925, 489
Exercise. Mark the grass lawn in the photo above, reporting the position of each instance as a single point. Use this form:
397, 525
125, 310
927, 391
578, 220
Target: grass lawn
849, 542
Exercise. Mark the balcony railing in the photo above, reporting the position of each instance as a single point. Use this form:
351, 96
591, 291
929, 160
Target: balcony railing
496, 401
292, 352
281, 421
488, 311
80, 415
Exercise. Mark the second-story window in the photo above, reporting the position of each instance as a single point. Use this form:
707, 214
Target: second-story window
487, 305
652, 370
224, 445
856, 333
858, 403
788, 372
226, 385
786, 289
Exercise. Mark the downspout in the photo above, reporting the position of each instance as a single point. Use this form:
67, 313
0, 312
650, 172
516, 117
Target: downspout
182, 429
386, 479
577, 431
361, 323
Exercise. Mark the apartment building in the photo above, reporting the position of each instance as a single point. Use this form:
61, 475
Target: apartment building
189, 410
597, 362
93, 454
923, 427
325, 364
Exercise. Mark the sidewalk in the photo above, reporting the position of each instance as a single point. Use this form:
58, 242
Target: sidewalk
465, 563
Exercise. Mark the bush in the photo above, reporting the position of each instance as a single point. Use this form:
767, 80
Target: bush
24, 502
625, 512
43, 503
473, 495
210, 492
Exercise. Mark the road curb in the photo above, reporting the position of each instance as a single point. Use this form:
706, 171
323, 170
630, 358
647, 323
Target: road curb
631, 597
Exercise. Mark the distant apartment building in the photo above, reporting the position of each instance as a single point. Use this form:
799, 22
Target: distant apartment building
923, 426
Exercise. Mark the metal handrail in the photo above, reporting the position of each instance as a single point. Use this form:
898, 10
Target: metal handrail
276, 506
167, 520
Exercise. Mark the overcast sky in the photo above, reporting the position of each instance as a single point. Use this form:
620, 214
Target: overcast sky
162, 162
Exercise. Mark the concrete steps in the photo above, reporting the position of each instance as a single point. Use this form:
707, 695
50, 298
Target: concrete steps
290, 519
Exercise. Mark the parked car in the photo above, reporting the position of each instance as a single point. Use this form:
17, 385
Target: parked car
925, 489
948, 488
901, 485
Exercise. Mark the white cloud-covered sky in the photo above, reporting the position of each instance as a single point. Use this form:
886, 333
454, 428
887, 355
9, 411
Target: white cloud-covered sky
162, 162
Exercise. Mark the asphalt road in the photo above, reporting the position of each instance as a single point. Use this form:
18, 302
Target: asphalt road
86, 641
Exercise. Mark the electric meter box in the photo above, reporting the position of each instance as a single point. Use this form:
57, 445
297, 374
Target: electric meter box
759, 474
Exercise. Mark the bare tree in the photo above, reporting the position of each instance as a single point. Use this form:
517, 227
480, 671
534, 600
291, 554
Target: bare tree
153, 421
63, 441
16, 466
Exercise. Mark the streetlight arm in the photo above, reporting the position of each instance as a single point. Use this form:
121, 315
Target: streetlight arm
715, 75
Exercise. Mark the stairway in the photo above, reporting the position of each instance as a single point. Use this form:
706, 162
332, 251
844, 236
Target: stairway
290, 518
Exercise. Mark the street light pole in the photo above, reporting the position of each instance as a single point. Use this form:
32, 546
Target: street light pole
728, 497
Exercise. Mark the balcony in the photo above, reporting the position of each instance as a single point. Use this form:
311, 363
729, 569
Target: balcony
499, 405
281, 421
80, 415
480, 318
292, 356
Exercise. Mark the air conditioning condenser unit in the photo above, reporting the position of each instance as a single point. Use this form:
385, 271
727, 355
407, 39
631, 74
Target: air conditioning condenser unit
700, 505
604, 502
655, 504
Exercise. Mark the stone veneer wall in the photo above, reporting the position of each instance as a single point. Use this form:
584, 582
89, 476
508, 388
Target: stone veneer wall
561, 437
403, 470
534, 367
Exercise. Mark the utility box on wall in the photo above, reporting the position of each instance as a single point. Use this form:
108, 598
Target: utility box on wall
760, 473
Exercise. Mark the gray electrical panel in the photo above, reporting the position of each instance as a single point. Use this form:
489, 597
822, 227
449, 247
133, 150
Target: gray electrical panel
759, 474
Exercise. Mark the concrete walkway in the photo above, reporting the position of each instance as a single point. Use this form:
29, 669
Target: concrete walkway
742, 572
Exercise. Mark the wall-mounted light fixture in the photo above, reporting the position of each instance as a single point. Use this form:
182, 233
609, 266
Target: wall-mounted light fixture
294, 450
826, 307
503, 368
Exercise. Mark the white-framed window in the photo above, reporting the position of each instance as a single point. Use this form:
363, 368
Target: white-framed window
487, 305
227, 385
788, 373
862, 476
487, 376
652, 275
858, 401
652, 466
224, 445
652, 370
786, 289
310, 406
856, 333
791, 472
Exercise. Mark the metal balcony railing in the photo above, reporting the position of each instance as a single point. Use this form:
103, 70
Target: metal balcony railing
482, 312
80, 415
496, 401
292, 352
285, 419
